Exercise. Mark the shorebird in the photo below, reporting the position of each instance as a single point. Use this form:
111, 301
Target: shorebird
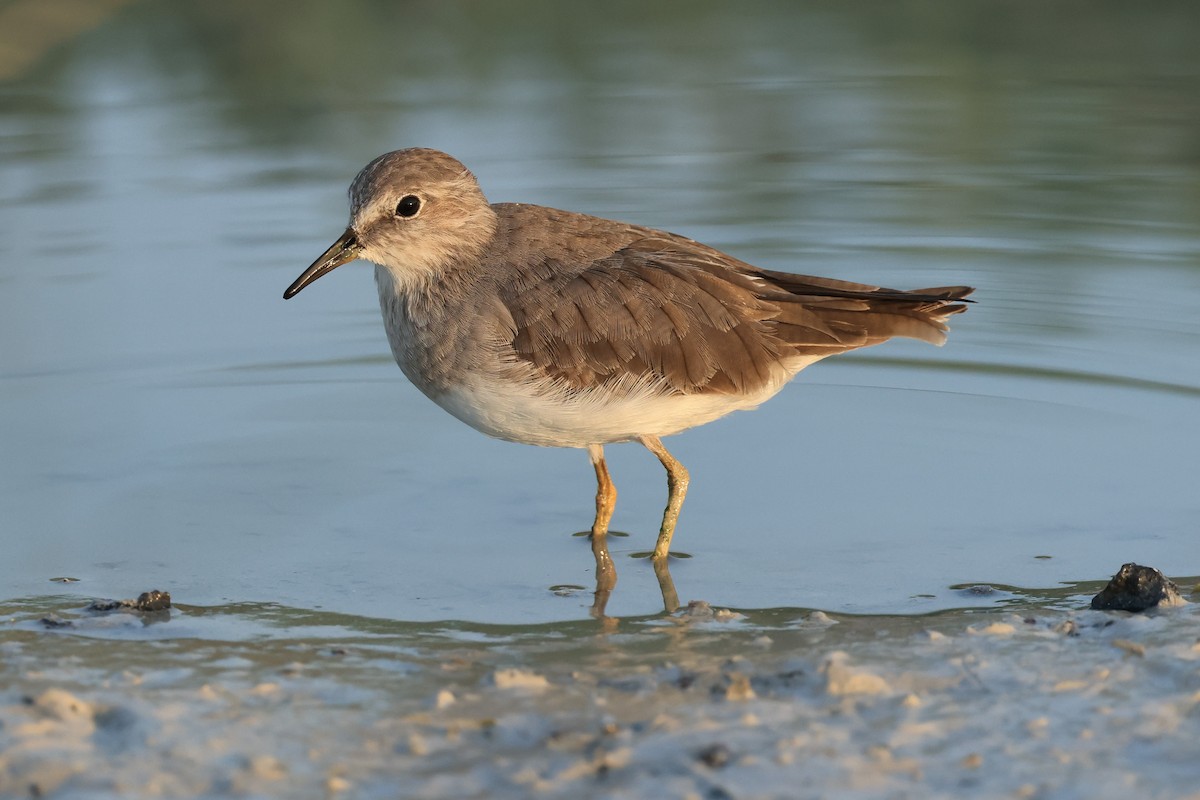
559, 329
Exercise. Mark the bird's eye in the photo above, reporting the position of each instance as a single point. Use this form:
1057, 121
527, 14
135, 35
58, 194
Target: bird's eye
408, 206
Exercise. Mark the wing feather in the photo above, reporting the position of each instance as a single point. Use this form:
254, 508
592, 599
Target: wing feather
626, 303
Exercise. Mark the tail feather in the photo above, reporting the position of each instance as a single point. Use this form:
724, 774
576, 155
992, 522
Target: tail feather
821, 316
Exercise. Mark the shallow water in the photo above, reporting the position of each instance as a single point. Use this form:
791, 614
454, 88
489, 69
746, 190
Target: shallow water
167, 169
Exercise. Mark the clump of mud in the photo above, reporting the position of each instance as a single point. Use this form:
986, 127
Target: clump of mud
154, 602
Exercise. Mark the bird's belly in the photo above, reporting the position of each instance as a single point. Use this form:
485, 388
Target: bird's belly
521, 413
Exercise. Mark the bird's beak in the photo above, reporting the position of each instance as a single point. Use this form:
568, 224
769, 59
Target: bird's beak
343, 251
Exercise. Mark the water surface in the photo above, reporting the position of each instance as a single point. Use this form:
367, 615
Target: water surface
168, 168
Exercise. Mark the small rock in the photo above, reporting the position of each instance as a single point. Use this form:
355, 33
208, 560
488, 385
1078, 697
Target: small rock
62, 705
617, 758
841, 679
267, 768
1068, 627
994, 629
1137, 588
1133, 648
714, 756
819, 619
519, 679
739, 688
701, 610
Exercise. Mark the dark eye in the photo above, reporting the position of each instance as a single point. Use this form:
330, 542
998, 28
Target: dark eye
408, 206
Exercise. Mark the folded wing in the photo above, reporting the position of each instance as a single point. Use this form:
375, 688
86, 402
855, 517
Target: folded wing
671, 309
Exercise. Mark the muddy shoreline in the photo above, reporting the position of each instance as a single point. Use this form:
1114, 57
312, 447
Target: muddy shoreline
709, 702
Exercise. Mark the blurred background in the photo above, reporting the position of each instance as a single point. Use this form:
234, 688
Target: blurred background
167, 168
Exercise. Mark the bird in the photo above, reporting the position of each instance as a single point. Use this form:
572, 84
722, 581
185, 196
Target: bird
554, 328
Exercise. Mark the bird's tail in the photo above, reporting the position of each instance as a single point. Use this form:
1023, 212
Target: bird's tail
823, 316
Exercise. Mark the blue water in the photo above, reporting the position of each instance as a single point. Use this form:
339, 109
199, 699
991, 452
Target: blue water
169, 421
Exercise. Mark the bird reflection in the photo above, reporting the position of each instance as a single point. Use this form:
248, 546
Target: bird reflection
606, 578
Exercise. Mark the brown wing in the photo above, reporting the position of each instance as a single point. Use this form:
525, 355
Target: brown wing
669, 307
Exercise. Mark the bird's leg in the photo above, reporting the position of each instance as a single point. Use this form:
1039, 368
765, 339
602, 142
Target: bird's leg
677, 484
606, 492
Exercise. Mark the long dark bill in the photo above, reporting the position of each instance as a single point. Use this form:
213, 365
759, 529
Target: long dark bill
343, 251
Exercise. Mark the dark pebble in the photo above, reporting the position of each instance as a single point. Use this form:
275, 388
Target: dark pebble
1136, 588
714, 756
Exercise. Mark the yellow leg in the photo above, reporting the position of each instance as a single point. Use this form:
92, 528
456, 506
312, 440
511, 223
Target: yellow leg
606, 492
677, 484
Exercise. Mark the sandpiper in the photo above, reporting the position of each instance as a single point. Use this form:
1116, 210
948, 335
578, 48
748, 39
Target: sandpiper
559, 329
